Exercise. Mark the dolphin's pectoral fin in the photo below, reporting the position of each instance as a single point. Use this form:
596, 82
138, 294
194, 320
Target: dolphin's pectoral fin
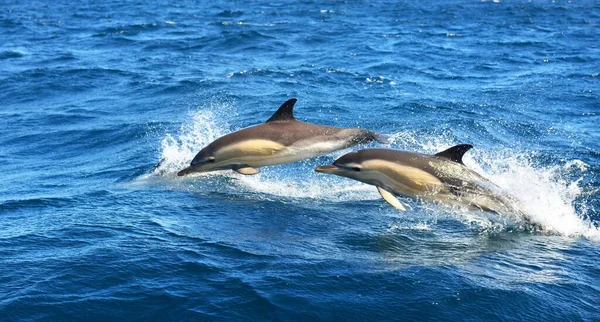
247, 170
390, 198
455, 153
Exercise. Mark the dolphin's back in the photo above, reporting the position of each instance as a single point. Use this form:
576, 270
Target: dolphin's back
286, 133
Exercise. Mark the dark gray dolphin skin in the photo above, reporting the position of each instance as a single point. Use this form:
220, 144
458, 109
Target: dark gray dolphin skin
440, 177
281, 139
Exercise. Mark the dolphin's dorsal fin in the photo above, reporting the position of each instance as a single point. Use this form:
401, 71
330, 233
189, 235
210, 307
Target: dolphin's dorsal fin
455, 153
285, 112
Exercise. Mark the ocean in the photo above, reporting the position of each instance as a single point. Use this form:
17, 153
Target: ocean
102, 102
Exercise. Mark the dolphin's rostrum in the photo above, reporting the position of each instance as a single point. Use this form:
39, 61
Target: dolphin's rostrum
281, 139
440, 177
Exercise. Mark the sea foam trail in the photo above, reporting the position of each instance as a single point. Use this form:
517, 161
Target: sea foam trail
546, 195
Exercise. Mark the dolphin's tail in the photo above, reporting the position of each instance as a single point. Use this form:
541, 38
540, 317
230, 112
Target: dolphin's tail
158, 164
366, 136
381, 138
501, 203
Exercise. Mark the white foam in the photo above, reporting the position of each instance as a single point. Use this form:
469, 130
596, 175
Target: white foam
205, 126
547, 195
423, 226
309, 185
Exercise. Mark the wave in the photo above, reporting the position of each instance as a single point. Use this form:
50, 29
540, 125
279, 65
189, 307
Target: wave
9, 54
550, 196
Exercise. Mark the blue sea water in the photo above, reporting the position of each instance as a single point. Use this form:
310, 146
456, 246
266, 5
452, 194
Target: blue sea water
93, 94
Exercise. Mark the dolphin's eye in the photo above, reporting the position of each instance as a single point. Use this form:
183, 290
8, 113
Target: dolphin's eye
211, 160
347, 166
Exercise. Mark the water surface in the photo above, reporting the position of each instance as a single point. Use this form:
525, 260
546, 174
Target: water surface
93, 95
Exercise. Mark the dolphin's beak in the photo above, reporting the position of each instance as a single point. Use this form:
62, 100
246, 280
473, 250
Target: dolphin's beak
197, 167
186, 171
327, 169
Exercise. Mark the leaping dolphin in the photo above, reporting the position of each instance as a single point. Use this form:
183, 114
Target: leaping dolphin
281, 139
440, 177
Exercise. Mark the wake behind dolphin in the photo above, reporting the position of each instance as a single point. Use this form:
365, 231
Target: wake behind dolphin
281, 139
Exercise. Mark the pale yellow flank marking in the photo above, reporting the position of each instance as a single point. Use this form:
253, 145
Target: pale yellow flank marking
408, 176
251, 148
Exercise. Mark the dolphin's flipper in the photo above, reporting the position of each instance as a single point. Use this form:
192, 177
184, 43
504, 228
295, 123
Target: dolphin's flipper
247, 170
285, 112
455, 153
390, 198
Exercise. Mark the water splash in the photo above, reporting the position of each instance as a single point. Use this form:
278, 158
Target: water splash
304, 183
178, 150
547, 195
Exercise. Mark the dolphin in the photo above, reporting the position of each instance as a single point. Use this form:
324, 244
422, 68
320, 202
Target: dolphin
441, 177
281, 139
